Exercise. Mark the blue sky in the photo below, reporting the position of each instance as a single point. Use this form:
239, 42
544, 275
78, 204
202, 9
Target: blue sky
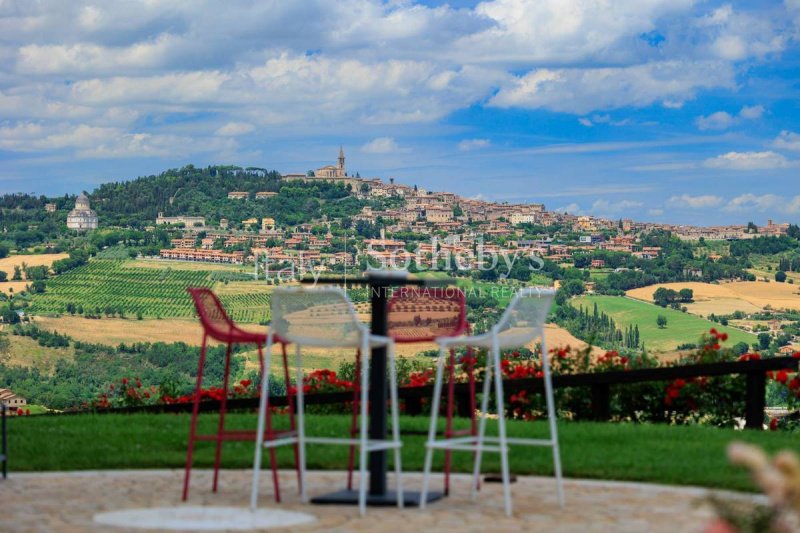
677, 111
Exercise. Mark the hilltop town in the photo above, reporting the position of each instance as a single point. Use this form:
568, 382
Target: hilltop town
452, 224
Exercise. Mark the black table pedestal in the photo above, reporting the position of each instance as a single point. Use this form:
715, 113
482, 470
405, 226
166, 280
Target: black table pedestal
387, 499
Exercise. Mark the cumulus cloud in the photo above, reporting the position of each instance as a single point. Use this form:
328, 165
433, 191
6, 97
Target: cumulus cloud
695, 202
121, 65
787, 140
715, 121
722, 120
748, 161
381, 145
764, 203
232, 129
583, 90
572, 209
473, 144
604, 207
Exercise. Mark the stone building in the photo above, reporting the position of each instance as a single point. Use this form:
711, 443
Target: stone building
82, 217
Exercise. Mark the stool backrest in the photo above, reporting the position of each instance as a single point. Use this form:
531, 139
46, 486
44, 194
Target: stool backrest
214, 319
423, 314
315, 317
524, 318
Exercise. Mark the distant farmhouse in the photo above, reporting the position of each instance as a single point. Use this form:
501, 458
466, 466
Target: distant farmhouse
82, 217
11, 400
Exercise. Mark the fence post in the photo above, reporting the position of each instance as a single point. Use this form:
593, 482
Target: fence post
601, 401
755, 400
413, 404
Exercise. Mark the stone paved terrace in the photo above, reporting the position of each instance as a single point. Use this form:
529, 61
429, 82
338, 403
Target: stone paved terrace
67, 502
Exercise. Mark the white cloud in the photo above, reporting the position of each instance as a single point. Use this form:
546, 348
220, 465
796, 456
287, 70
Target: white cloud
656, 212
748, 161
585, 122
381, 145
715, 121
764, 203
232, 129
723, 120
695, 202
752, 112
787, 140
583, 90
473, 144
572, 209
604, 207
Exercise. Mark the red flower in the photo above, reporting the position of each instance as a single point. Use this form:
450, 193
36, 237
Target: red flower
781, 376
773, 424
723, 337
673, 393
796, 355
714, 331
245, 383
20, 412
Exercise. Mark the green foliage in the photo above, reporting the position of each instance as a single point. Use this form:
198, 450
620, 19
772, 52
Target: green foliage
661, 321
780, 276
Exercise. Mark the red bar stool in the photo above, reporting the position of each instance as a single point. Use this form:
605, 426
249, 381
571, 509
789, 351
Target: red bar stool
426, 314
219, 326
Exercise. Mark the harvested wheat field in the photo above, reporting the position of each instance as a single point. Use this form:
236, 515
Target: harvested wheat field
13, 286
113, 331
7, 264
725, 298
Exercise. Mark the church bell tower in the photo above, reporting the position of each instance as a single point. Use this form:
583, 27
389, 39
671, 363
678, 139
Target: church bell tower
340, 171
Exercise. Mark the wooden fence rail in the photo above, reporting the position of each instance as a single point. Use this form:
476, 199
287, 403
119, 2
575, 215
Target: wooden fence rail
599, 383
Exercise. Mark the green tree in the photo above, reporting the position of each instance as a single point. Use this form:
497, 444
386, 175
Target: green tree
661, 320
764, 340
780, 276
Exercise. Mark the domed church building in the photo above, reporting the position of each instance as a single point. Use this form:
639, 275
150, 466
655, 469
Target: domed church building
82, 217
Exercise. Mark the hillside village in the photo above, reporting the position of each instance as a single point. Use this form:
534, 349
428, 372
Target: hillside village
452, 224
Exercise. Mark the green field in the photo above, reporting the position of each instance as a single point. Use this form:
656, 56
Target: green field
680, 455
681, 327
153, 292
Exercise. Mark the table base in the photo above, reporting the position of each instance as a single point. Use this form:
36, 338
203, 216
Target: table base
350, 497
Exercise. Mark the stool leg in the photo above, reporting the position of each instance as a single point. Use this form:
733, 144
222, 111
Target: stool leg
476, 471
398, 467
291, 404
501, 426
472, 400
301, 426
551, 418
448, 432
263, 405
222, 410
273, 460
363, 440
354, 421
437, 393
195, 413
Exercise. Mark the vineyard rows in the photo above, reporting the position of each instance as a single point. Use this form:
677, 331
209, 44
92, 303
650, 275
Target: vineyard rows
146, 291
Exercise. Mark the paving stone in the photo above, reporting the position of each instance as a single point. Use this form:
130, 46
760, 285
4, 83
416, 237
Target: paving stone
67, 502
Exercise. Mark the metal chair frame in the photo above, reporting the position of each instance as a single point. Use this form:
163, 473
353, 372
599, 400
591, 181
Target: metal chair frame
363, 341
219, 326
494, 340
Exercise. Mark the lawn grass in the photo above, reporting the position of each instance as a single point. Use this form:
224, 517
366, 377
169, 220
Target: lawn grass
681, 327
680, 455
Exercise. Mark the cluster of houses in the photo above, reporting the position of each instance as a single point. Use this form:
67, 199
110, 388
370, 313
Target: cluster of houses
493, 228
